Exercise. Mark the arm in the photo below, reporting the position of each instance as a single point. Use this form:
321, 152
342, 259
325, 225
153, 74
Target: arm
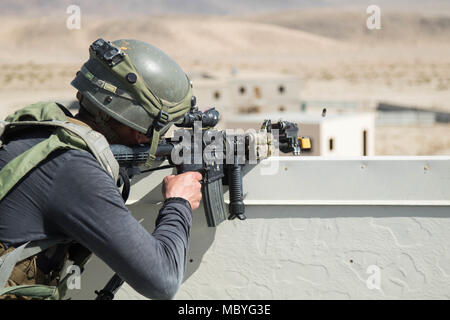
86, 206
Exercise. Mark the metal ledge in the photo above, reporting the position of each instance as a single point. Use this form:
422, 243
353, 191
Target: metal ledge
439, 203
390, 181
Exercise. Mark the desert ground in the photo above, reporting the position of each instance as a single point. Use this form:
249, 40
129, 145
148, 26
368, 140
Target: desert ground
406, 62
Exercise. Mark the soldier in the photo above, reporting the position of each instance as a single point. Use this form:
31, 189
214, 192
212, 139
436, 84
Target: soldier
59, 198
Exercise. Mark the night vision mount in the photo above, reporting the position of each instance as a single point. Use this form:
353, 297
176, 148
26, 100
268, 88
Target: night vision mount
106, 52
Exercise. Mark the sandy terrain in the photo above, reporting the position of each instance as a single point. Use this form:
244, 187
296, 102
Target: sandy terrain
42, 56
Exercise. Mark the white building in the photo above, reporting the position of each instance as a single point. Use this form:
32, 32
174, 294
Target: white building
346, 134
244, 93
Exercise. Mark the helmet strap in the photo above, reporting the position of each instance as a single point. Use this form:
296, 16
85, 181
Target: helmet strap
101, 121
158, 123
152, 153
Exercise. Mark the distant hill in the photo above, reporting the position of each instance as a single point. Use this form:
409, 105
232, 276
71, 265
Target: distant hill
348, 24
290, 32
48, 39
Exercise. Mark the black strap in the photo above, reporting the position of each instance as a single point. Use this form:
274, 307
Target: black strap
65, 110
125, 179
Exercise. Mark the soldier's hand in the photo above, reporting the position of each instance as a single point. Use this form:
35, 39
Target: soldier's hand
186, 185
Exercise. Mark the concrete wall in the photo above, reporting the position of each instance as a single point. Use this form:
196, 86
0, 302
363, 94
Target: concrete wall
308, 253
214, 94
317, 228
239, 94
272, 95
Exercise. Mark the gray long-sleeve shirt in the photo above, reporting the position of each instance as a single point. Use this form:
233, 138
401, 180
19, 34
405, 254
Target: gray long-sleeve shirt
71, 195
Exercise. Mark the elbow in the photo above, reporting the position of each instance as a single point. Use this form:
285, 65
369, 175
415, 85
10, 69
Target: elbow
165, 289
165, 278
169, 292
172, 275
171, 285
164, 284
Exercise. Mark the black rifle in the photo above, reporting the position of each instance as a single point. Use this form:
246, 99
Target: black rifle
215, 174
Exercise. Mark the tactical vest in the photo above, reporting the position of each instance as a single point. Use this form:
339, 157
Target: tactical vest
67, 134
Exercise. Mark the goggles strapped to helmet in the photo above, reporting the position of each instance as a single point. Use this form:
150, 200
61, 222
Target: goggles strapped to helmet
163, 112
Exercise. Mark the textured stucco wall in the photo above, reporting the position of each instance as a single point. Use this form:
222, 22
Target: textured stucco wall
383, 218
319, 257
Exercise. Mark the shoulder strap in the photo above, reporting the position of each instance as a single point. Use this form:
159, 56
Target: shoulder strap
16, 169
97, 144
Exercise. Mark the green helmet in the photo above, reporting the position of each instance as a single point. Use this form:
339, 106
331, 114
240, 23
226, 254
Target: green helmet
136, 84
